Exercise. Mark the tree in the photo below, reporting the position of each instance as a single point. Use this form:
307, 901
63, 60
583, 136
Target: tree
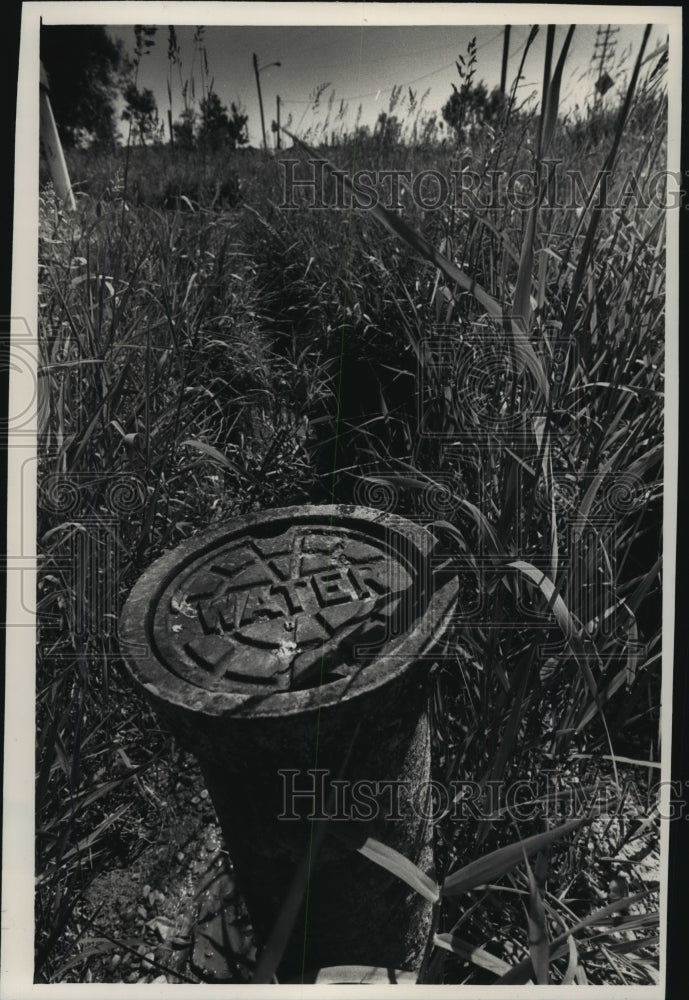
84, 67
473, 105
389, 131
216, 128
214, 123
142, 111
238, 131
183, 130
470, 104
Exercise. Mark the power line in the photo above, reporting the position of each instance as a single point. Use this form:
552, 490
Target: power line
380, 90
408, 53
405, 83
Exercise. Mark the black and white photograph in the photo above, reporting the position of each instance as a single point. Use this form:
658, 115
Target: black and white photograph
342, 499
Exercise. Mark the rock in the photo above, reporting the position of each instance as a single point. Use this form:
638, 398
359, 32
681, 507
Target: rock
149, 958
159, 979
207, 959
207, 906
182, 928
237, 941
163, 927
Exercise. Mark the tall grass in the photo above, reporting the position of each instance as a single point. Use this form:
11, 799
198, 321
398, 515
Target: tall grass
494, 372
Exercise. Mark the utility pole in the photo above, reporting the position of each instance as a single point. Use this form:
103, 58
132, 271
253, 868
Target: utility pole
505, 54
258, 71
260, 103
277, 140
604, 49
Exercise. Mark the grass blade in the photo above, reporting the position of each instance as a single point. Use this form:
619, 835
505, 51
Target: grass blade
471, 953
572, 964
217, 456
562, 616
538, 930
522, 972
497, 863
585, 255
415, 240
401, 867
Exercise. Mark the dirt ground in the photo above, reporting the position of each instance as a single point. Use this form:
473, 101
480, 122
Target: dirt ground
172, 914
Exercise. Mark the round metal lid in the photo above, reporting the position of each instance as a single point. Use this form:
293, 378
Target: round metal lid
281, 607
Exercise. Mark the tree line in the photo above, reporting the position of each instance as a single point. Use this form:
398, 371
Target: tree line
89, 74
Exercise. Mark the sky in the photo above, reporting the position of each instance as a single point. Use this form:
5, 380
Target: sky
363, 63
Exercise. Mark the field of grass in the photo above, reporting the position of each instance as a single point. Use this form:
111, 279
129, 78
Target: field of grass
491, 370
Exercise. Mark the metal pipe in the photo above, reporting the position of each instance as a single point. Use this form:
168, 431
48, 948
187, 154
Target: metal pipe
266, 645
